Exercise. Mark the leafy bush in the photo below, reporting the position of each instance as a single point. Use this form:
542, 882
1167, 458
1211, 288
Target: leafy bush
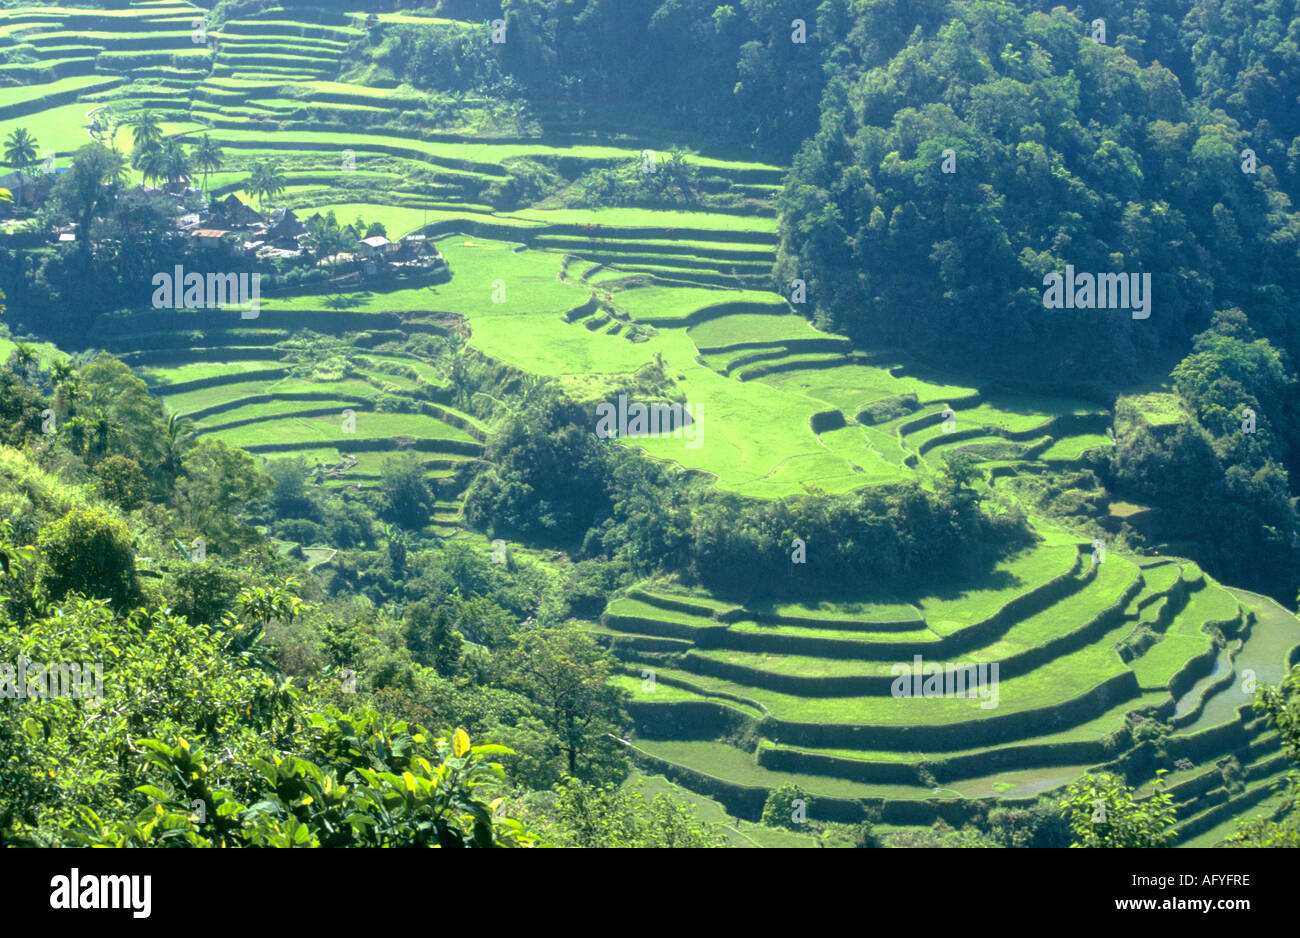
203, 592
122, 482
1104, 812
591, 816
780, 809
367, 783
88, 552
301, 531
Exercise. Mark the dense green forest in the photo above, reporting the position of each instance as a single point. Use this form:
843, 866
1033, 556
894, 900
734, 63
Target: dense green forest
359, 569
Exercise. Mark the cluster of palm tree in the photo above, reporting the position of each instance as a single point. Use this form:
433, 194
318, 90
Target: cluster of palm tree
89, 432
327, 239
160, 159
91, 429
266, 181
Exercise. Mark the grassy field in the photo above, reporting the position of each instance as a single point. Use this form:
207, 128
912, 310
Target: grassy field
1110, 596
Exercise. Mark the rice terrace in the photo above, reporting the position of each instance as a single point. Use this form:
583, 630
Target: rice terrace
355, 324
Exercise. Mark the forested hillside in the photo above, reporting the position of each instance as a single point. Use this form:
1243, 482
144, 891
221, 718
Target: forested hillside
574, 422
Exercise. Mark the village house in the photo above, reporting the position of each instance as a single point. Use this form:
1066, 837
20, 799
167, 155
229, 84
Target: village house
376, 248
284, 229
209, 237
231, 213
29, 189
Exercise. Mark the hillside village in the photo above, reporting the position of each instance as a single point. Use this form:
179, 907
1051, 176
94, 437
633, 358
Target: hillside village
206, 226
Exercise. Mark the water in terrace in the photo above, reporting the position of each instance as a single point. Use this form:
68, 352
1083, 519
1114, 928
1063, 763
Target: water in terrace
1275, 632
1187, 703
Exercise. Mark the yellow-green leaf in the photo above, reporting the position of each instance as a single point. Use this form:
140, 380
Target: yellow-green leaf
460, 743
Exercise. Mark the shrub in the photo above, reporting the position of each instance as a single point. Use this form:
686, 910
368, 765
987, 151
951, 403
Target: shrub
301, 531
88, 552
1042, 824
122, 482
1105, 813
202, 592
780, 809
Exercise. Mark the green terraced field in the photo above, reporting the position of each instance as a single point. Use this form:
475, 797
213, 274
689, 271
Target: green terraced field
590, 296
1065, 637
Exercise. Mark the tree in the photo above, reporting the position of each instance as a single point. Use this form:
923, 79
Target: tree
961, 468
102, 428
25, 359
566, 673
202, 592
325, 240
67, 386
147, 130
407, 498
218, 485
1104, 812
780, 809
150, 162
266, 181
396, 544
20, 153
175, 163
89, 188
432, 639
263, 605
536, 454
88, 552
123, 414
178, 441
122, 482
289, 496
207, 156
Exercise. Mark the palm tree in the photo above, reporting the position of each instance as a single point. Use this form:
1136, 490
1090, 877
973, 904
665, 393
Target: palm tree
147, 129
20, 152
207, 156
69, 394
60, 369
180, 437
325, 239
175, 161
115, 167
150, 160
24, 358
265, 182
274, 181
75, 427
63, 378
103, 427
